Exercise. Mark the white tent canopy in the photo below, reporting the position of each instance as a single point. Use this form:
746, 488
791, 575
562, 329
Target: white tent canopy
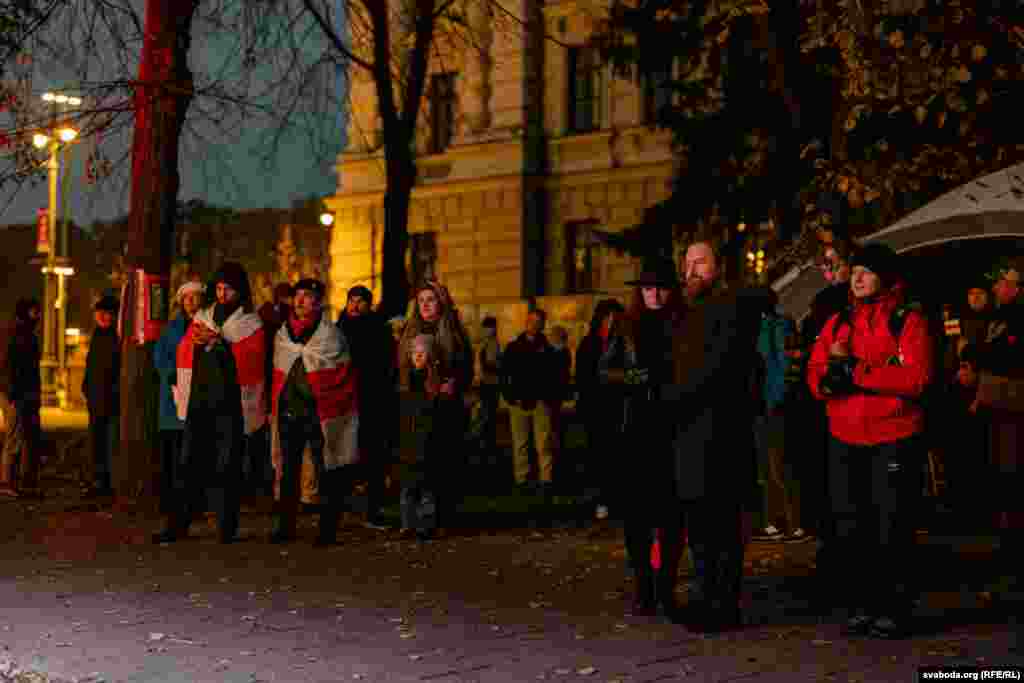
990, 206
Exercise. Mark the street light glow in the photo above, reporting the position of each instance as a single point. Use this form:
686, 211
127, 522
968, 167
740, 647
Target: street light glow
74, 101
327, 219
67, 134
48, 96
60, 99
64, 270
40, 140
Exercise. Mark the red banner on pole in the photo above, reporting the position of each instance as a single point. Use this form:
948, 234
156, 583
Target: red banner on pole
43, 231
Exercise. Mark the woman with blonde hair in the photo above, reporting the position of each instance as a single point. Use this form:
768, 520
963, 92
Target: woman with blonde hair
433, 314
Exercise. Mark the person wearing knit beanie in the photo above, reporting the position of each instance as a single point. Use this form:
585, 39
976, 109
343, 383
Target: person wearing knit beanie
373, 352
880, 260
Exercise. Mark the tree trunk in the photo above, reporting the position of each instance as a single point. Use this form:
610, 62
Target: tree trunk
401, 172
162, 97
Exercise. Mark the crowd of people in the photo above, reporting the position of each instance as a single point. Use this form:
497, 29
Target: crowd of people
720, 403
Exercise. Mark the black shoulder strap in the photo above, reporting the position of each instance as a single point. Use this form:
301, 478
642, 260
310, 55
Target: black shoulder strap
899, 317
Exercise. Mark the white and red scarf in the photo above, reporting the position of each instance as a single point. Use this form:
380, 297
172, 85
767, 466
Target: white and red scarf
332, 377
244, 331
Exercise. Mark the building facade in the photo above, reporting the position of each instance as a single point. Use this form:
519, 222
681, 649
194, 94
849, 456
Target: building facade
527, 140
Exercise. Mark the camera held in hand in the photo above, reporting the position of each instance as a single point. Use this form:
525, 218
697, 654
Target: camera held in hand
838, 379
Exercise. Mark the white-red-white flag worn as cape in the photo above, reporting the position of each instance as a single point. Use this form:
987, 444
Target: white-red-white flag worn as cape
244, 331
332, 377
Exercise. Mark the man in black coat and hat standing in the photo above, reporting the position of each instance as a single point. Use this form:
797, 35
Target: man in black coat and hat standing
101, 390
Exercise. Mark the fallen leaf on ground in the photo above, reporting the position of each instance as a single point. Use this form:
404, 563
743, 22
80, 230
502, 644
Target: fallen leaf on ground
587, 671
819, 643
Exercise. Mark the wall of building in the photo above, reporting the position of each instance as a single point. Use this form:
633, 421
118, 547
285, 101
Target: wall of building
471, 194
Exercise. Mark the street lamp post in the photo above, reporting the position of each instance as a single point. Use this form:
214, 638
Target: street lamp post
57, 266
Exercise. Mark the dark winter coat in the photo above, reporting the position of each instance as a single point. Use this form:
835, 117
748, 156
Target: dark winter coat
103, 373
714, 354
531, 372
215, 388
373, 355
165, 360
19, 366
601, 394
648, 481
428, 431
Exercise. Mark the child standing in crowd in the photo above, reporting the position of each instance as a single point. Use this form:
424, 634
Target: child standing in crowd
423, 409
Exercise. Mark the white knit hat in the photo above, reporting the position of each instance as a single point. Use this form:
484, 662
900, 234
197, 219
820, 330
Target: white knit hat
188, 288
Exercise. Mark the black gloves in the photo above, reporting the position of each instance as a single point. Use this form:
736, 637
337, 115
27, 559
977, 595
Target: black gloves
838, 379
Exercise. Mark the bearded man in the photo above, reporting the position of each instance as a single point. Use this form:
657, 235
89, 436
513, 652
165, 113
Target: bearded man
714, 359
220, 395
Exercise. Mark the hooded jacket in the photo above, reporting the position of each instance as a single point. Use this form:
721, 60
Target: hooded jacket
889, 375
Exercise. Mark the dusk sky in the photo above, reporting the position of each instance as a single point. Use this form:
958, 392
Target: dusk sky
222, 166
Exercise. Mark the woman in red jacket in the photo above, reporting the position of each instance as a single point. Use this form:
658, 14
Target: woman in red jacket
870, 365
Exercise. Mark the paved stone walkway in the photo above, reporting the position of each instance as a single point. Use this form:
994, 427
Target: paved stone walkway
84, 597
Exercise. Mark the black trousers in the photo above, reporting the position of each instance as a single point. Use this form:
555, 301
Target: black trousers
170, 462
210, 463
103, 431
336, 484
807, 427
374, 472
603, 420
713, 526
876, 495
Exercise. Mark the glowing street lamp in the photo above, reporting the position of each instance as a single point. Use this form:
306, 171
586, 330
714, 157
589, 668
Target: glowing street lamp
327, 219
54, 359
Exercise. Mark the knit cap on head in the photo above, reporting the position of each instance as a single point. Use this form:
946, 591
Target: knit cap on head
362, 293
108, 304
233, 274
880, 260
189, 287
311, 284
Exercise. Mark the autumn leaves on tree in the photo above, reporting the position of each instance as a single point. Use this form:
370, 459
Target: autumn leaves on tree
835, 114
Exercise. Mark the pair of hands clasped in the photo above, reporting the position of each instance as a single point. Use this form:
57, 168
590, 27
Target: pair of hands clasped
204, 336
